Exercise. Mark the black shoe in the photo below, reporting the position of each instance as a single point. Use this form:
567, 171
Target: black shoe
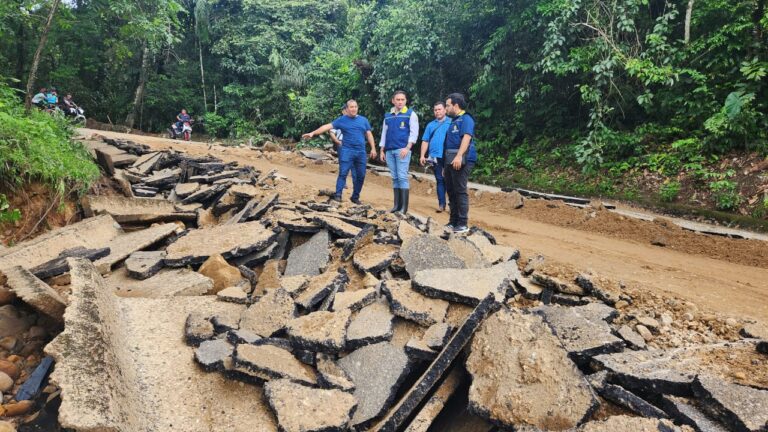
355, 201
397, 200
404, 195
336, 198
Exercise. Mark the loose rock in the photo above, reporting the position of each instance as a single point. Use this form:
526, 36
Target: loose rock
274, 363
374, 258
303, 409
270, 314
142, 265
212, 354
221, 273
468, 286
320, 331
310, 258
428, 252
741, 407
373, 324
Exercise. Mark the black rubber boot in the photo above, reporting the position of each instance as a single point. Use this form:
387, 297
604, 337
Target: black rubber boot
404, 193
397, 200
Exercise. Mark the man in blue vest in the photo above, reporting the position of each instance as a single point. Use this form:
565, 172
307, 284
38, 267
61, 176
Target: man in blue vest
460, 157
352, 156
432, 140
398, 135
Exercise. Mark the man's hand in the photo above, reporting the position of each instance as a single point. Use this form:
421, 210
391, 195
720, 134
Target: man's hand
383, 157
307, 136
373, 154
422, 160
404, 152
456, 164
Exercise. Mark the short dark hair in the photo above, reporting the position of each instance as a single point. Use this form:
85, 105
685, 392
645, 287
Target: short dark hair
397, 92
346, 104
440, 102
457, 99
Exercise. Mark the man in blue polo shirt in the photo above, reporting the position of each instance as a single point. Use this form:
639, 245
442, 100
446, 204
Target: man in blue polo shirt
352, 156
460, 157
398, 134
432, 140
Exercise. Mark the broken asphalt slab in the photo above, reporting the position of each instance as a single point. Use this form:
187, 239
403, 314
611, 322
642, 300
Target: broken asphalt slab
135, 210
742, 408
121, 247
468, 286
227, 240
269, 314
143, 265
35, 292
411, 305
319, 331
372, 324
166, 283
310, 258
120, 371
299, 408
59, 265
274, 363
427, 252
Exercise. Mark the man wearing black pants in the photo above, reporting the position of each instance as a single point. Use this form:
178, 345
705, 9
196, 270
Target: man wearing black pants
460, 157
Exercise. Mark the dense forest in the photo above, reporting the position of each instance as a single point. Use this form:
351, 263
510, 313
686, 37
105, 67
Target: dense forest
599, 87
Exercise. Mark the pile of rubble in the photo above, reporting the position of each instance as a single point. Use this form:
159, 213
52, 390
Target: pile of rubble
303, 314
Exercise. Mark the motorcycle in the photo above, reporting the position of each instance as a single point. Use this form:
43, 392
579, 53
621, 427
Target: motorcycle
185, 131
77, 114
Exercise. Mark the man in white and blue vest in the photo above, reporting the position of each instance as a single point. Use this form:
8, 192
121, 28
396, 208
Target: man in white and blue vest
460, 157
352, 156
398, 135
432, 140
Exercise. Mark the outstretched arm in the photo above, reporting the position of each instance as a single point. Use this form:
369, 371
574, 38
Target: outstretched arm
321, 130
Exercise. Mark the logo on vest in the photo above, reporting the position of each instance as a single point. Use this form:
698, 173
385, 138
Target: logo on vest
402, 125
455, 129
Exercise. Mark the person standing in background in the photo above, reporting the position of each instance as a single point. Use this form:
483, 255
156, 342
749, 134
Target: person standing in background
398, 135
432, 140
460, 157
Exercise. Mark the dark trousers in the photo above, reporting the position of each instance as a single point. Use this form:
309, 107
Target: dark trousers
456, 186
440, 180
355, 162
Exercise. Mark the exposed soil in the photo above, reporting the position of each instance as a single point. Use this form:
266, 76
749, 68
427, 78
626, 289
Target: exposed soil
41, 210
721, 275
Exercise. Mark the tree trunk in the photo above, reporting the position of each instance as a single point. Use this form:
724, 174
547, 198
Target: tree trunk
38, 53
202, 76
139, 95
688, 13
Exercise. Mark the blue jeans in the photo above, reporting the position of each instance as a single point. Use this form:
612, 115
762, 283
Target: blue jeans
354, 161
440, 180
398, 168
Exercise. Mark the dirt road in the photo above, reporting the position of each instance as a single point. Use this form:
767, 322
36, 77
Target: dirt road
718, 274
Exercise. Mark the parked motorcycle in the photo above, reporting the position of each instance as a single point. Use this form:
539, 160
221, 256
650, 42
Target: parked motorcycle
185, 131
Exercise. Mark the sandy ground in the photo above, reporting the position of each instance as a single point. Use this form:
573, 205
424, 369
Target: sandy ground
725, 276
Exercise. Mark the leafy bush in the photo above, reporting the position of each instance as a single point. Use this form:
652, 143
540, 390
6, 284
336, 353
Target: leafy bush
216, 125
725, 194
7, 214
669, 191
37, 146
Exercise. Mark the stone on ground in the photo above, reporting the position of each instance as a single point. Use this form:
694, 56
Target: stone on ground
411, 305
211, 354
300, 408
319, 331
337, 226
142, 265
742, 408
363, 238
233, 295
633, 339
294, 285
582, 334
226, 240
437, 335
406, 231
269, 314
374, 258
319, 287
418, 349
184, 190
428, 252
119, 370
354, 300
274, 363
311, 258
221, 273
468, 286
520, 373
755, 331
557, 285
491, 252
198, 328
269, 279
375, 386
373, 324
35, 292
331, 375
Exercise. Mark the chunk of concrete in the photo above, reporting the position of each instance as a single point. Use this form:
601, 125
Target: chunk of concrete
227, 240
624, 423
319, 331
557, 285
311, 258
319, 287
519, 381
417, 349
91, 233
265, 204
59, 266
755, 331
630, 401
143, 265
233, 295
269, 314
299, 225
633, 339
492, 253
221, 273
411, 305
135, 210
373, 324
198, 328
331, 375
274, 363
167, 283
375, 386
684, 411
468, 252
434, 406
406, 231
373, 258
428, 252
582, 334
300, 408
35, 292
184, 190
744, 409
670, 371
119, 370
121, 247
468, 286
426, 382
294, 285
354, 300
337, 226
212, 354
361, 239
437, 335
